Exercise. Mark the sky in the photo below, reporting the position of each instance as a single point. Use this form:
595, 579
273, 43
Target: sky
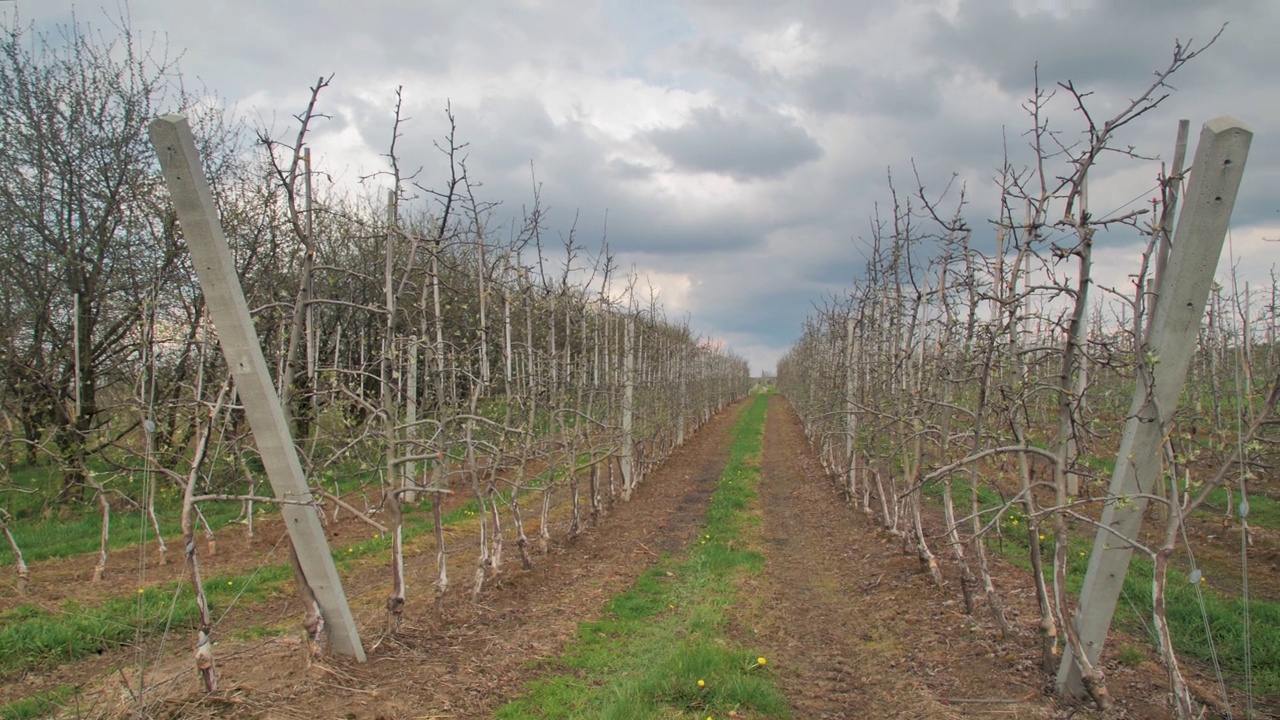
733, 152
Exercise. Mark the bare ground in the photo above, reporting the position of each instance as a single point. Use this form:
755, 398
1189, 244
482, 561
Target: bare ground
461, 665
859, 629
851, 625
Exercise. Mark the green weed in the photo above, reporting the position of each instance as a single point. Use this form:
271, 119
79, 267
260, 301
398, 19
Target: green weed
38, 706
77, 529
659, 651
1131, 655
32, 637
1183, 606
1263, 511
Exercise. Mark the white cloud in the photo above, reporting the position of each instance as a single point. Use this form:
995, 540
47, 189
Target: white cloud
786, 51
1253, 252
733, 213
672, 290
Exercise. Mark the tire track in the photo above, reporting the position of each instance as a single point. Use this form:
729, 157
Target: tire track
833, 655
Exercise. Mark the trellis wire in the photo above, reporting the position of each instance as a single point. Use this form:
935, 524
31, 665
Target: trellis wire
1243, 506
1204, 617
148, 391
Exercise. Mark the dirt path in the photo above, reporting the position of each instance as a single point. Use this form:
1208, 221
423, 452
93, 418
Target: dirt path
851, 626
849, 620
462, 665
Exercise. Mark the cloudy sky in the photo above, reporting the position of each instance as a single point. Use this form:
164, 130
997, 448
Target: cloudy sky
737, 148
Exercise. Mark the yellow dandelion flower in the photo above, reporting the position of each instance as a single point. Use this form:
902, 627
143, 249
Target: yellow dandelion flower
1042, 537
351, 550
702, 683
228, 583
761, 661
140, 591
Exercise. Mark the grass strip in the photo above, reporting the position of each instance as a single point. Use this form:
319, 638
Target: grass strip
38, 638
78, 530
1182, 605
38, 706
81, 533
659, 650
1263, 511
45, 533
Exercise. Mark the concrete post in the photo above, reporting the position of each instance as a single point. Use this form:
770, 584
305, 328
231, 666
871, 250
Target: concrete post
1171, 343
180, 163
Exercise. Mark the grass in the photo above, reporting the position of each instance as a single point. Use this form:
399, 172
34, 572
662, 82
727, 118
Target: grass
1131, 655
1183, 604
259, 632
32, 637
659, 650
1263, 511
38, 706
66, 531
78, 530
80, 534
36, 638
1225, 617
1103, 466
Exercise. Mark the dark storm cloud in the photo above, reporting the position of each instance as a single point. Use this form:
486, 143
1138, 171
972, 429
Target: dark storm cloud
762, 306
736, 146
512, 145
241, 46
754, 143
1112, 50
641, 230
709, 57
626, 170
844, 89
1108, 45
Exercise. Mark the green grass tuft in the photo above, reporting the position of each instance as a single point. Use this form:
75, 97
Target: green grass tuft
38, 706
645, 656
1131, 655
1263, 511
1183, 605
34, 638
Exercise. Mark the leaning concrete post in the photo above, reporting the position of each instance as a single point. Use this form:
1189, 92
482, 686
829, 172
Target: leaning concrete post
180, 162
1171, 343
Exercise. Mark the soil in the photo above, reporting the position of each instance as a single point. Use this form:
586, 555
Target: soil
851, 625
859, 629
